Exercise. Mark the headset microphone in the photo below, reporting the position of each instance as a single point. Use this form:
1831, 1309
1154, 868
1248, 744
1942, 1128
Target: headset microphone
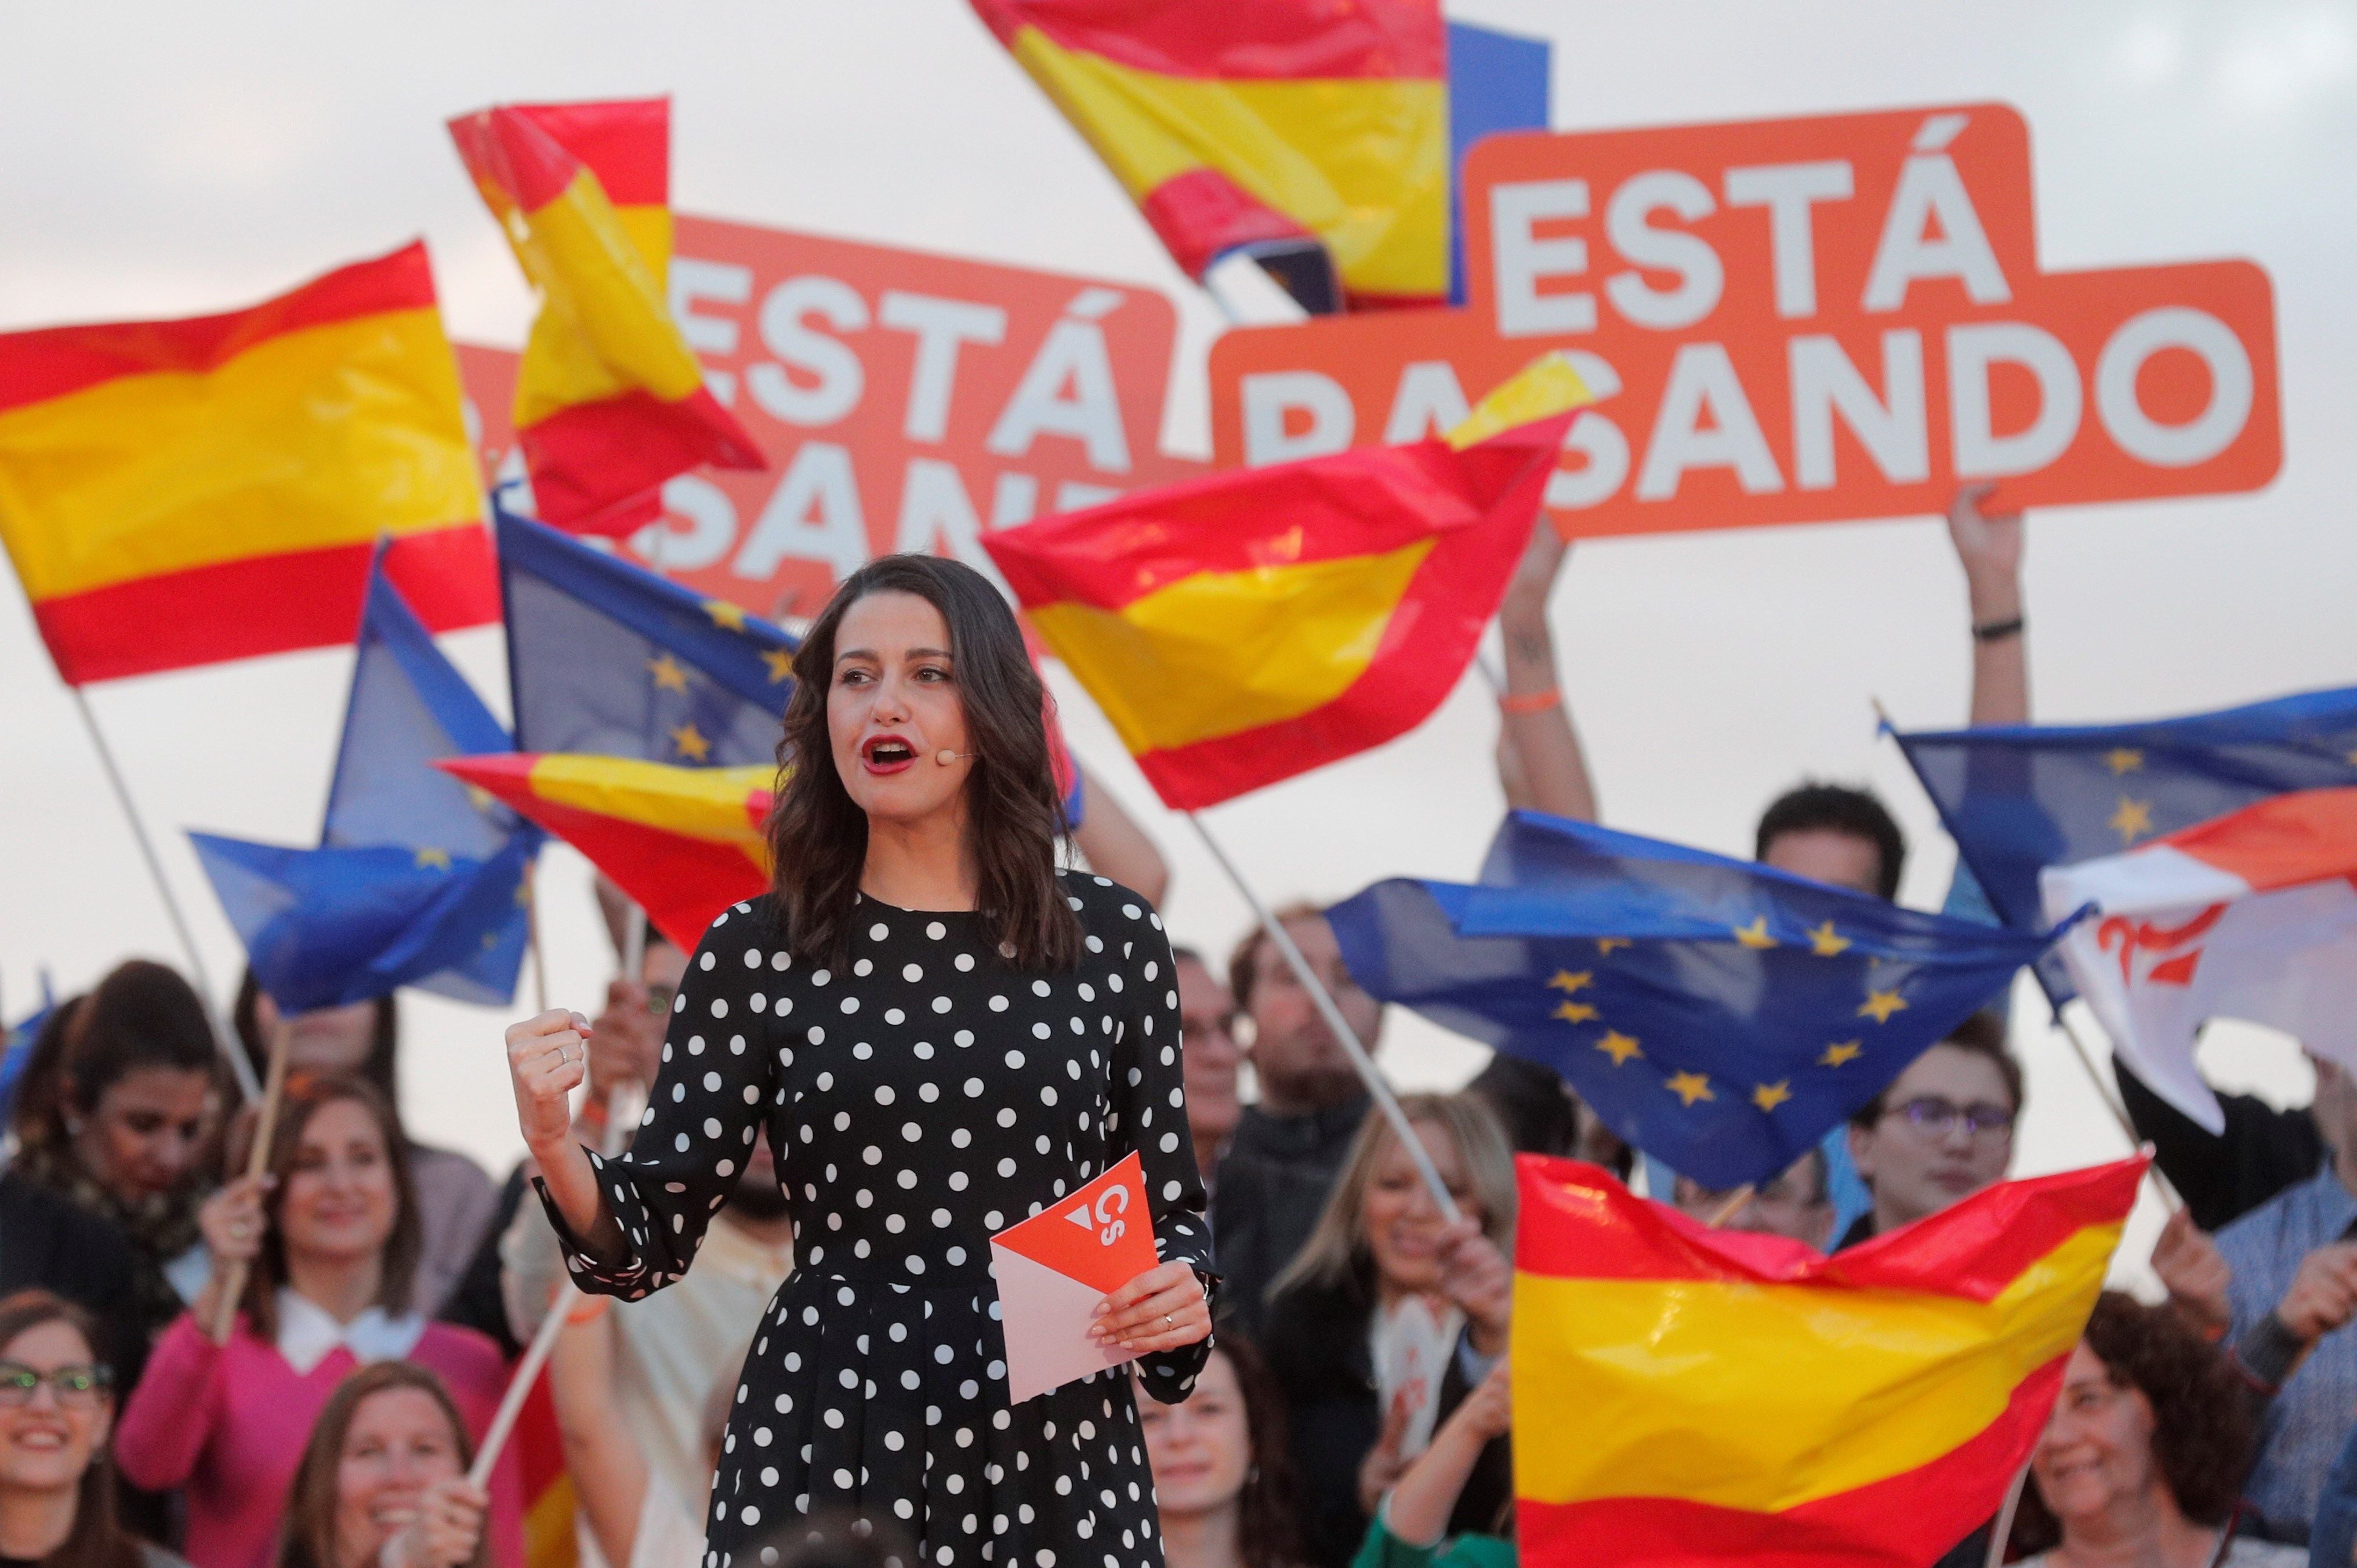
945, 757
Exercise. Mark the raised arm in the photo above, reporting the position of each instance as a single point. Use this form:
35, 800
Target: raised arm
1989, 547
632, 1225
601, 1454
1115, 845
1540, 763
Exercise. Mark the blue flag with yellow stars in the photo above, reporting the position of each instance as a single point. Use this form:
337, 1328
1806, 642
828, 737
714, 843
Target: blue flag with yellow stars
325, 927
607, 658
418, 879
2018, 798
409, 708
1719, 1014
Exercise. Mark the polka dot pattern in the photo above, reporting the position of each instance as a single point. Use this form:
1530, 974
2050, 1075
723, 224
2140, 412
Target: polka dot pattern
920, 1097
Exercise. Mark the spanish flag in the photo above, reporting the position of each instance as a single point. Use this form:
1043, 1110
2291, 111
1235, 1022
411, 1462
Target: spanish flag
608, 403
184, 492
684, 842
1243, 627
1744, 1399
1235, 121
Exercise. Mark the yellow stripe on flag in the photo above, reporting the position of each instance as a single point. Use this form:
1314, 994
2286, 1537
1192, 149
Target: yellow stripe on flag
325, 435
1686, 1389
1360, 162
1219, 653
707, 803
1540, 390
603, 329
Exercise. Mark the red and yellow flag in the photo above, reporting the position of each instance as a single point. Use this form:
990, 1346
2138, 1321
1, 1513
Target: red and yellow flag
1743, 1399
1234, 121
610, 402
183, 492
1243, 627
684, 843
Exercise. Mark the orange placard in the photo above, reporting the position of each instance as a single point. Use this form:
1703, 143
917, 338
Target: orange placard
1792, 321
905, 401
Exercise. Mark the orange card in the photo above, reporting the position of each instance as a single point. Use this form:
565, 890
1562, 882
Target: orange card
1054, 1268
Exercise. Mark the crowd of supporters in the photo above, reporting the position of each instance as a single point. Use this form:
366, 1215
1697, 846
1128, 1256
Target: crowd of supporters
244, 1359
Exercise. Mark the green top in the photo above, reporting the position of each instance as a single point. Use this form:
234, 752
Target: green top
1382, 1549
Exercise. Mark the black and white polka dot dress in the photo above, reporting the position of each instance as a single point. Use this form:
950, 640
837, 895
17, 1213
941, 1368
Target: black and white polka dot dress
930, 1096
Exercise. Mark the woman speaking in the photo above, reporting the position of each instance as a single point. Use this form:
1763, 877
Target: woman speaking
942, 1035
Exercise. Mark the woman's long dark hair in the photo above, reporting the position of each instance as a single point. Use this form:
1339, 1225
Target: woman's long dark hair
1268, 1510
818, 837
142, 1014
96, 1539
307, 1537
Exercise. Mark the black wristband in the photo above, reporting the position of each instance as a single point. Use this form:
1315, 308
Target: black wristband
1998, 631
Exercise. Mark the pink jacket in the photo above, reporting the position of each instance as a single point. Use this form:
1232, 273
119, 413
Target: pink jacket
229, 1423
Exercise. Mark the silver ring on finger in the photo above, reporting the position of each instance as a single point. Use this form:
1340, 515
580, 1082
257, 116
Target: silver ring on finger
1168, 1326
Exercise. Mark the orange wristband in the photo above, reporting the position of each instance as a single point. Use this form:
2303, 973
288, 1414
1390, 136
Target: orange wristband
1530, 702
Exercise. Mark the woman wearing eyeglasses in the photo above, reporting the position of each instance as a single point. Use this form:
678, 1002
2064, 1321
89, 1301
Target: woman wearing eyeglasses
1942, 1131
57, 1406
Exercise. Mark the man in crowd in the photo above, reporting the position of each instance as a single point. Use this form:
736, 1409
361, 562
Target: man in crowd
1942, 1131
1827, 832
2292, 1292
1287, 1148
1210, 1060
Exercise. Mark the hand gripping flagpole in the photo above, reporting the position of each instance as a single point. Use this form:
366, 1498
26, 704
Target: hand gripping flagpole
1385, 1100
628, 1102
240, 1069
257, 1160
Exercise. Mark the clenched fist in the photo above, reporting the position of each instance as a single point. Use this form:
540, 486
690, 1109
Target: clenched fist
547, 1059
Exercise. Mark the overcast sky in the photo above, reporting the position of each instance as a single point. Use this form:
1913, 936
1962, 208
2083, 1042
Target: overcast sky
165, 159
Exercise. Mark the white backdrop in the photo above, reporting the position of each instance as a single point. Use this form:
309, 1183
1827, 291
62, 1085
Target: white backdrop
166, 159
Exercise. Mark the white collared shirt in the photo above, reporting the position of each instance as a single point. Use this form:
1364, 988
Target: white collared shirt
307, 1332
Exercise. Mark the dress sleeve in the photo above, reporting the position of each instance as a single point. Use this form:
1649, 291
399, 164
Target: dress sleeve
1149, 1116
702, 1117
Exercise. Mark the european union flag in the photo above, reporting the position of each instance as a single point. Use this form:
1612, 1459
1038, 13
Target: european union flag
2018, 798
1719, 1014
324, 927
607, 658
418, 880
409, 708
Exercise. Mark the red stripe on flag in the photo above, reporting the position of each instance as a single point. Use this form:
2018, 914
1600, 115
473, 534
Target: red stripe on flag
1578, 1222
1902, 1521
1367, 501
624, 142
1202, 213
1427, 644
584, 455
38, 366
1269, 40
2284, 841
682, 882
264, 603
